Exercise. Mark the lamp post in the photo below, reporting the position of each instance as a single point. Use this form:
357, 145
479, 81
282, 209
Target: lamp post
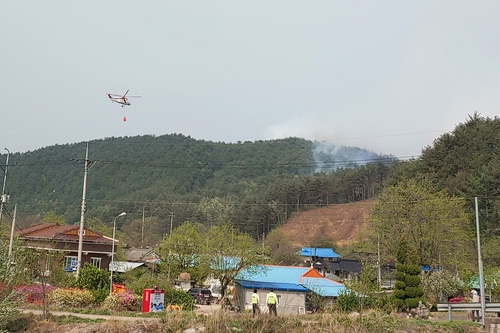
113, 253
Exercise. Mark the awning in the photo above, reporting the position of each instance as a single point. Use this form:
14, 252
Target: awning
123, 266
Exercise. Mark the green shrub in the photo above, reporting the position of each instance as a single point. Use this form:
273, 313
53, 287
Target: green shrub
399, 293
146, 281
92, 278
179, 297
413, 269
401, 268
400, 285
70, 298
414, 292
398, 303
400, 275
384, 303
100, 294
412, 281
60, 278
412, 303
347, 301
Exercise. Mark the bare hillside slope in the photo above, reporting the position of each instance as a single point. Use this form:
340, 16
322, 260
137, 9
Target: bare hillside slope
336, 222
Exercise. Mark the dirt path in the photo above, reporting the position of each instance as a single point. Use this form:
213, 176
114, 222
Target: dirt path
200, 309
89, 316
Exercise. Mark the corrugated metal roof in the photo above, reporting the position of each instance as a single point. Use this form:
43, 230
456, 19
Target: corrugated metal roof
269, 285
318, 252
274, 274
288, 278
140, 255
323, 287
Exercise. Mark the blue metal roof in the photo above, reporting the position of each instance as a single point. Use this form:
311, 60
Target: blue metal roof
323, 287
274, 274
269, 285
320, 252
287, 278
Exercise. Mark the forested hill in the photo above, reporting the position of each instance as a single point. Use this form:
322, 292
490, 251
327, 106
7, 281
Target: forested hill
257, 185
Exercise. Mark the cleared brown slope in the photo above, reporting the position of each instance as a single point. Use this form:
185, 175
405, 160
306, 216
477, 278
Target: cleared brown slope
336, 222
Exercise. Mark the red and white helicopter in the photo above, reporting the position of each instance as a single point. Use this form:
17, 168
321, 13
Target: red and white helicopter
120, 99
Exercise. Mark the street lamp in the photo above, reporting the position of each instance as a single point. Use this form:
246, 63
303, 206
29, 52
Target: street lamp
113, 253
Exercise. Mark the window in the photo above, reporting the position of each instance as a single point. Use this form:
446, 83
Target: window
70, 263
94, 261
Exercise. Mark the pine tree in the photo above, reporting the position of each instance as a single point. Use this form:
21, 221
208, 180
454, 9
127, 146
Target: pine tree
407, 291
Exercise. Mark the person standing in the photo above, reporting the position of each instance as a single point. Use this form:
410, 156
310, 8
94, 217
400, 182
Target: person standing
475, 299
255, 303
271, 300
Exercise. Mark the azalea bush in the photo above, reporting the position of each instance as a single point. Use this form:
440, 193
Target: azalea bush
123, 301
32, 293
70, 298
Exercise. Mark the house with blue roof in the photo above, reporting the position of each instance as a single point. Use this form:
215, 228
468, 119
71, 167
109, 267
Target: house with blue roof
290, 284
319, 258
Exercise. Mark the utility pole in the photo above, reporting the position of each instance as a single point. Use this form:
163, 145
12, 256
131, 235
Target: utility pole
263, 246
142, 229
480, 264
170, 238
379, 275
171, 223
82, 213
12, 233
4, 197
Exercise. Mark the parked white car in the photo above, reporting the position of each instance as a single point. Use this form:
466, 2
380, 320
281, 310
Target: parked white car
216, 292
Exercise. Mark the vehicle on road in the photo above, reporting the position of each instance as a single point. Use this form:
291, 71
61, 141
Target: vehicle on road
201, 295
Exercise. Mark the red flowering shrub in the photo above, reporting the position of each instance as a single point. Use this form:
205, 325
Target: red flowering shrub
123, 301
32, 293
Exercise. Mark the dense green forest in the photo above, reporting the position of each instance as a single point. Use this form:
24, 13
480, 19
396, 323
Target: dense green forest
463, 165
164, 181
170, 179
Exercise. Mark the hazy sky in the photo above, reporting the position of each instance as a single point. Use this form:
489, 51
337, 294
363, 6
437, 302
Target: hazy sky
390, 76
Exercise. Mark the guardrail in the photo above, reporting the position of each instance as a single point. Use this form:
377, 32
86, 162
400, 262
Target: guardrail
488, 307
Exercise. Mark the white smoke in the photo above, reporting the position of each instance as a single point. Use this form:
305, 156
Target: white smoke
329, 157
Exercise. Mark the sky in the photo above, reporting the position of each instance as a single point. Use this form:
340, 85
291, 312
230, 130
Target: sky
389, 76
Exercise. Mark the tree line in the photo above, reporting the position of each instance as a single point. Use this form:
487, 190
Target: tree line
172, 179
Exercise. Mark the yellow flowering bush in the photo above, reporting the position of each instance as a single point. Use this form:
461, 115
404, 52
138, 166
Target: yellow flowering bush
70, 298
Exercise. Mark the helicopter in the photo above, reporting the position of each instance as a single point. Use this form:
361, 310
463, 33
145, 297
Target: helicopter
120, 99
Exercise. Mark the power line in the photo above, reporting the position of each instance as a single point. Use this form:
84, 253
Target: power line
240, 165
